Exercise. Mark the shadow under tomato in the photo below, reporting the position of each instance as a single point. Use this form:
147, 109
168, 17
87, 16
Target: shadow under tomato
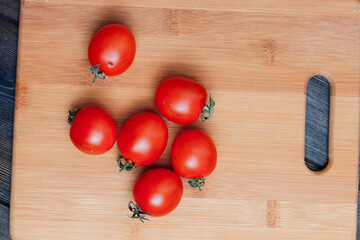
177, 70
84, 102
109, 15
121, 119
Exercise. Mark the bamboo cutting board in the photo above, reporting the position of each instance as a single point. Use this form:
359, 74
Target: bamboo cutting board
255, 57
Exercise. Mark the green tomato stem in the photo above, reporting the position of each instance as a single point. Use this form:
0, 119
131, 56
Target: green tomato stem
197, 183
208, 109
123, 163
98, 73
72, 115
137, 212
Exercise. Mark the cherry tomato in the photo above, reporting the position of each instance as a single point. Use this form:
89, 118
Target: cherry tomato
157, 193
183, 101
93, 130
111, 51
141, 140
193, 156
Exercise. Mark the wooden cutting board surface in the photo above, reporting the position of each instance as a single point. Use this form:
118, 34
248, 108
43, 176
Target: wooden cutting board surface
255, 57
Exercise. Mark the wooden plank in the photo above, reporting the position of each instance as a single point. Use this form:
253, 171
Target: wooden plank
275, 51
293, 7
255, 58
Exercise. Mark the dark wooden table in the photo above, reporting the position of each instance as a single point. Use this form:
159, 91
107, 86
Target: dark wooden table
9, 15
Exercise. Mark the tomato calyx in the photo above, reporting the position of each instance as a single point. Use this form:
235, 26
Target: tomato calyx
125, 164
98, 73
137, 212
208, 109
196, 183
72, 115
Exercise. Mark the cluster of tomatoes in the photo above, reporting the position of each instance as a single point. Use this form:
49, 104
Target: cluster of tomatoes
142, 139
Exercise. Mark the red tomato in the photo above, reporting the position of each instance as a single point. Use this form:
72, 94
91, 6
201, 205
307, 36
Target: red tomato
93, 130
111, 50
157, 193
193, 156
183, 100
143, 138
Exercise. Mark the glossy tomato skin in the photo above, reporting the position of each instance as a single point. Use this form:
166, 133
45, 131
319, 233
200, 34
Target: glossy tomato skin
93, 130
193, 154
181, 100
158, 191
113, 47
143, 138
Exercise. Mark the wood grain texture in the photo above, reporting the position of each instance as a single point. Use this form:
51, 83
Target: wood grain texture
254, 57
